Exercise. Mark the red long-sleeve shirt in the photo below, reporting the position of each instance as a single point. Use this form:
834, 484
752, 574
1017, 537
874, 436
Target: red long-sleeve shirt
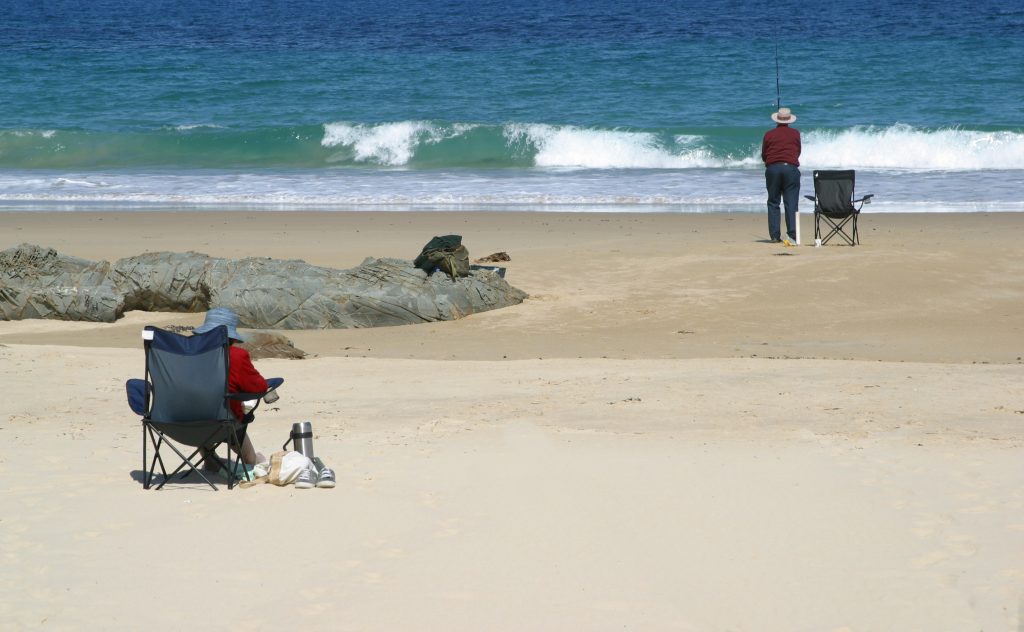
242, 378
781, 144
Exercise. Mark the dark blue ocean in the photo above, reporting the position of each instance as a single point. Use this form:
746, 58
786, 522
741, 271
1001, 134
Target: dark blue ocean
585, 105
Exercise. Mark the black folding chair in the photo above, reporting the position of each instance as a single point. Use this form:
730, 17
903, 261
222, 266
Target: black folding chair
184, 400
834, 205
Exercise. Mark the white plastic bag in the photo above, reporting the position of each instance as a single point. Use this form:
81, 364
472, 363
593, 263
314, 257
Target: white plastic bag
291, 464
282, 469
261, 470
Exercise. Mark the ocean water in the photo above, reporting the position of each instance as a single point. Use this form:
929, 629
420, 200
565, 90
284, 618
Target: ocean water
588, 105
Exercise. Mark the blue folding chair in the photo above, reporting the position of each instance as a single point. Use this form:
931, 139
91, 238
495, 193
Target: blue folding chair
184, 400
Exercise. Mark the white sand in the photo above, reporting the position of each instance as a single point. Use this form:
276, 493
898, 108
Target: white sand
679, 483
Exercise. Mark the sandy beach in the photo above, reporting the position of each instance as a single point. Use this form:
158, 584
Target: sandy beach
683, 428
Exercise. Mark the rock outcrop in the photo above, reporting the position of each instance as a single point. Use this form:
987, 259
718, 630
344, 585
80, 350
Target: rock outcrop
37, 282
269, 344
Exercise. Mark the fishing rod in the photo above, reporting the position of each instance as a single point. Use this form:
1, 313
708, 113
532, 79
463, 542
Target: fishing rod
778, 90
778, 106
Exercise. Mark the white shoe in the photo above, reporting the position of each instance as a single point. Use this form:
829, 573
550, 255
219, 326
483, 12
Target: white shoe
326, 478
305, 479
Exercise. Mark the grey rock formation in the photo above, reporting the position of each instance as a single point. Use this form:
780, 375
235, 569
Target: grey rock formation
266, 293
40, 283
269, 344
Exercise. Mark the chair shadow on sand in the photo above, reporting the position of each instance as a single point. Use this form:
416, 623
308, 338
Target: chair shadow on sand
187, 481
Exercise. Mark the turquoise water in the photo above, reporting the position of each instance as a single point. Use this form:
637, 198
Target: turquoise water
598, 105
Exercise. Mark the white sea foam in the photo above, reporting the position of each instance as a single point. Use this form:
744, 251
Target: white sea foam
391, 144
898, 147
570, 146
631, 190
60, 182
388, 143
906, 147
191, 126
21, 133
574, 168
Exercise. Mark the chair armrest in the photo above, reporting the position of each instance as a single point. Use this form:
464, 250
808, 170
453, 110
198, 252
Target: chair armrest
252, 400
272, 384
864, 200
271, 395
138, 396
241, 397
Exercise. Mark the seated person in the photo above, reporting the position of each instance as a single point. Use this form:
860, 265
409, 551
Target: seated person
242, 378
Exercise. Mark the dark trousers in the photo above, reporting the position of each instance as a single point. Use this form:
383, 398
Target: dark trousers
782, 181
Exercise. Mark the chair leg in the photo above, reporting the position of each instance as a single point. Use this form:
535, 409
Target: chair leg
194, 454
156, 457
145, 472
149, 469
842, 233
184, 461
831, 231
233, 474
837, 229
236, 445
159, 440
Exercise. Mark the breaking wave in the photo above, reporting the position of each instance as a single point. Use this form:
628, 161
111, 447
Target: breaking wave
438, 145
904, 147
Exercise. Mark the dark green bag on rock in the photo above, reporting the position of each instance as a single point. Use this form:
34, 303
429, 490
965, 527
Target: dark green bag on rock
445, 253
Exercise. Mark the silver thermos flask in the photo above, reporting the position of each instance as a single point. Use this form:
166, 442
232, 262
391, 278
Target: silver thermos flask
302, 438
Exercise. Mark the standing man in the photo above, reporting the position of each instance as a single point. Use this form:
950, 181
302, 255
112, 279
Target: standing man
780, 152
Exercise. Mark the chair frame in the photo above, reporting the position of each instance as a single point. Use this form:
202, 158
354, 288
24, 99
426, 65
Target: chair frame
158, 438
159, 433
836, 219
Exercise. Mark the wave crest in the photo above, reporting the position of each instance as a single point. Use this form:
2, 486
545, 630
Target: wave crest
566, 146
390, 144
905, 147
426, 145
569, 146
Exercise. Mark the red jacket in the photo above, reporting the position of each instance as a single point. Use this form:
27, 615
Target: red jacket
242, 378
781, 144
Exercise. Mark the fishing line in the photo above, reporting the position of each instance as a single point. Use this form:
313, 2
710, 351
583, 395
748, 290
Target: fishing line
778, 90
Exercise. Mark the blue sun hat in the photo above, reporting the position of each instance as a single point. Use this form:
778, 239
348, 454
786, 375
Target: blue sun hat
221, 316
